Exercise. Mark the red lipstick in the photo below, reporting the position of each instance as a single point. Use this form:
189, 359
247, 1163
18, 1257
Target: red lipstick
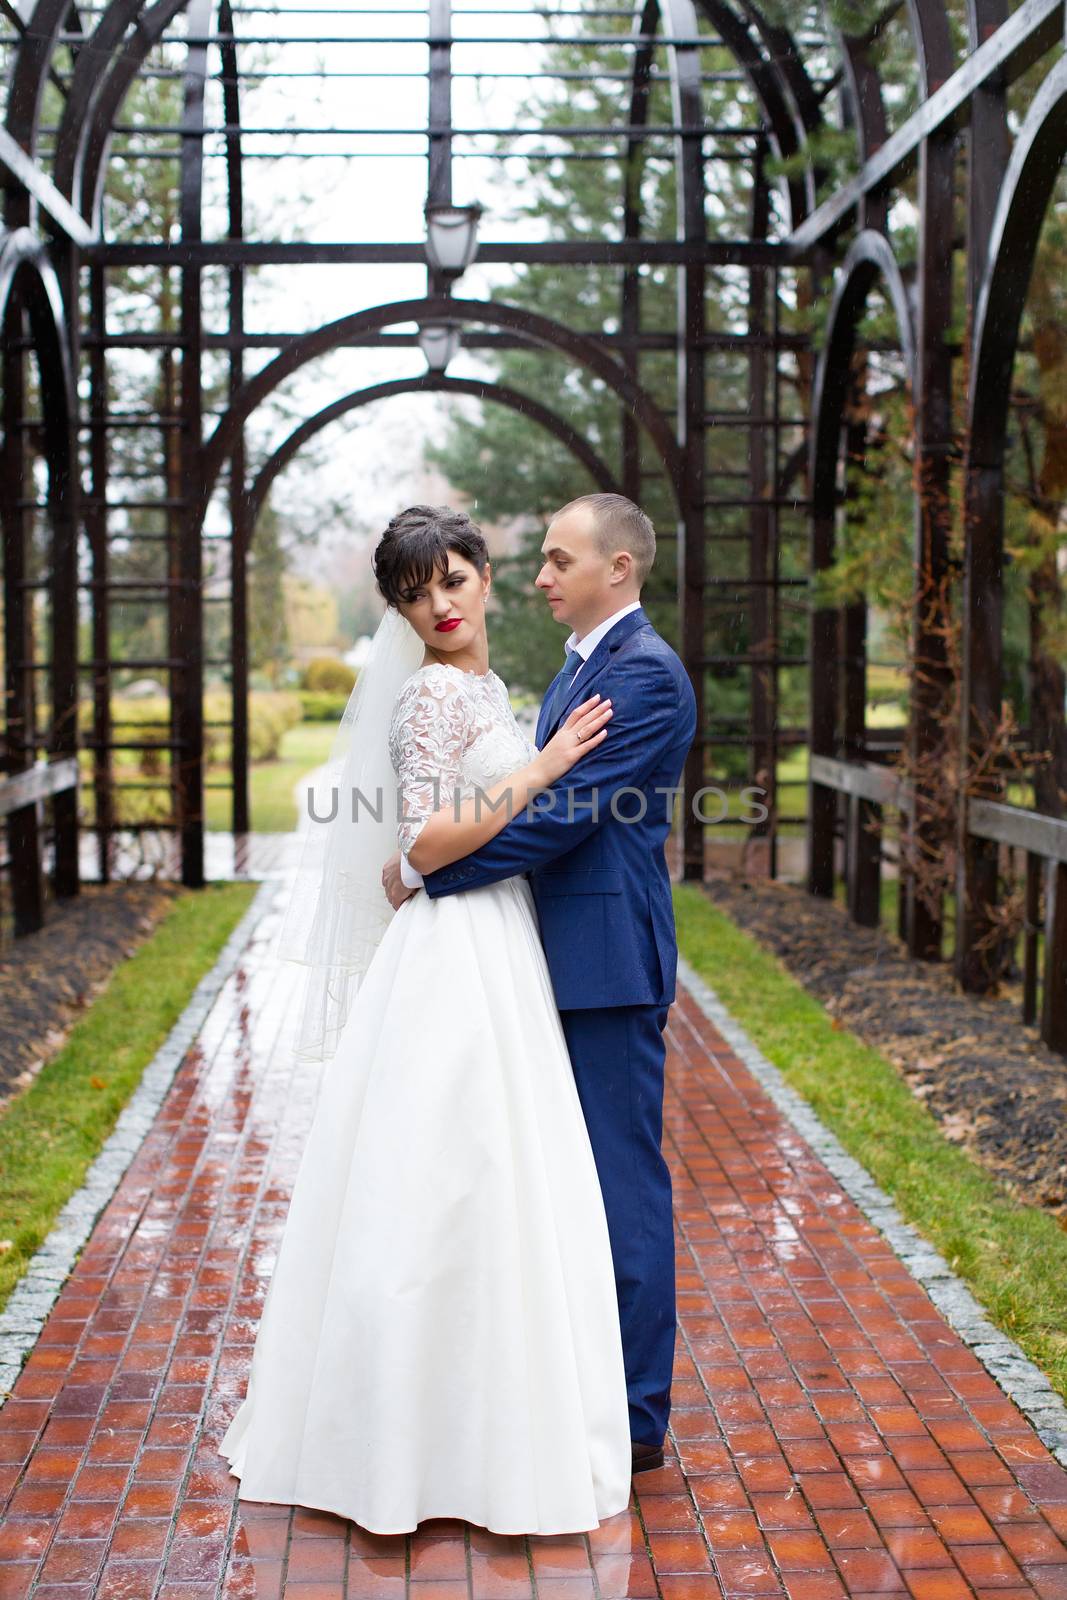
446, 627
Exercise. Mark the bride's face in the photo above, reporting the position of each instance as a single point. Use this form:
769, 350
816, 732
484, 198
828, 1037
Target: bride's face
448, 612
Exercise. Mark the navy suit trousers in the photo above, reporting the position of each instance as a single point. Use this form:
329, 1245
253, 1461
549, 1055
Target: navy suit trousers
618, 1053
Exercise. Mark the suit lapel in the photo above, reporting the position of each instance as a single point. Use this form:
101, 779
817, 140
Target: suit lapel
582, 685
541, 733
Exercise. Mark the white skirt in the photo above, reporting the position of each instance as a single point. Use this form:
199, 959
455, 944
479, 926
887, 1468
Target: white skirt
440, 1336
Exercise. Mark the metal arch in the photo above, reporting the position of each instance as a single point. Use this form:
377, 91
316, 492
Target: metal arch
95, 131
32, 62
763, 78
691, 388
789, 64
22, 253
22, 27
21, 249
932, 397
95, 136
86, 83
762, 546
799, 100
24, 256
989, 147
186, 611
1027, 186
240, 523
868, 108
24, 262
684, 66
645, 23
537, 328
933, 43
778, 78
787, 61
439, 118
231, 105
870, 257
85, 127
684, 69
1039, 150
192, 145
983, 18
500, 394
74, 25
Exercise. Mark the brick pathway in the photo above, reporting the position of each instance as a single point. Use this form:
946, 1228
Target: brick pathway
831, 1434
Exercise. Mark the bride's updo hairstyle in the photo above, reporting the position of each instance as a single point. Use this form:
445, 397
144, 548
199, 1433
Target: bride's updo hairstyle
417, 541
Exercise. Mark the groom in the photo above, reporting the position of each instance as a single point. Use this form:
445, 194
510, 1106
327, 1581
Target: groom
593, 847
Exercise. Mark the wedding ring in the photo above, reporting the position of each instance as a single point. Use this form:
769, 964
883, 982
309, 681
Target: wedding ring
579, 736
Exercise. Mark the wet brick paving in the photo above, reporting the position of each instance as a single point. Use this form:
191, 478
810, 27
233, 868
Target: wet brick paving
831, 1436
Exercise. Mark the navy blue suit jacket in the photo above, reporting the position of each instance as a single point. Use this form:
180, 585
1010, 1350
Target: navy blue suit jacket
595, 857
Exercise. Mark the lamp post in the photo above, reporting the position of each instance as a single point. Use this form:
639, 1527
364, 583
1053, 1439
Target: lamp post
451, 237
438, 342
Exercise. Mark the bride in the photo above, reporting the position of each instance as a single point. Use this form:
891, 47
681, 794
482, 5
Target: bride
440, 1336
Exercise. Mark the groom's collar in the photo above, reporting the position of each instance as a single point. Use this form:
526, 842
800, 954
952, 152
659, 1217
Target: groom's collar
588, 644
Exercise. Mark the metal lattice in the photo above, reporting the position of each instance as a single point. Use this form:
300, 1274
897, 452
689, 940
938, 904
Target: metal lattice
751, 524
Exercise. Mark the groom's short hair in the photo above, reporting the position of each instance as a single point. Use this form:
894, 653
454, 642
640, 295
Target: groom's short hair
619, 524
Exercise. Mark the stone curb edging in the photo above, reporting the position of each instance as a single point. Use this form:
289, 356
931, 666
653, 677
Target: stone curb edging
1022, 1381
34, 1295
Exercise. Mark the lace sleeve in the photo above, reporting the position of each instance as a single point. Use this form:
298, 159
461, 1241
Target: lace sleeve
430, 729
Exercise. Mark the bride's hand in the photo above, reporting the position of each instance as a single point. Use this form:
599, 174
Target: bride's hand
583, 730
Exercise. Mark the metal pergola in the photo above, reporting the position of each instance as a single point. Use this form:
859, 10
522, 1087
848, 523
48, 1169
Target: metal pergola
792, 84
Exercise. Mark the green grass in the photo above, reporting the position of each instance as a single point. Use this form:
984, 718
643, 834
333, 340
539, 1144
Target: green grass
1012, 1257
271, 795
51, 1133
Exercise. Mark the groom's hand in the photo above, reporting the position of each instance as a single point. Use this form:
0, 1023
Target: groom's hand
396, 890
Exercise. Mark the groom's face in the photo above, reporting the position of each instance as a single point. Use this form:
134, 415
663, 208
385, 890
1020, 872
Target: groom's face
576, 577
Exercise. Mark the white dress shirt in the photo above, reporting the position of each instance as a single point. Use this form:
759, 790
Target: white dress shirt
410, 876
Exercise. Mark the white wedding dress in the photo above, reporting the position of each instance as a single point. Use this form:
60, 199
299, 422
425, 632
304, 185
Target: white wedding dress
440, 1336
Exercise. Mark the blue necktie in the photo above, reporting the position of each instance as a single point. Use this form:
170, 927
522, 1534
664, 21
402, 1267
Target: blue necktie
573, 662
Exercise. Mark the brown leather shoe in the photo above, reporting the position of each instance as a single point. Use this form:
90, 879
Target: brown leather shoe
645, 1457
